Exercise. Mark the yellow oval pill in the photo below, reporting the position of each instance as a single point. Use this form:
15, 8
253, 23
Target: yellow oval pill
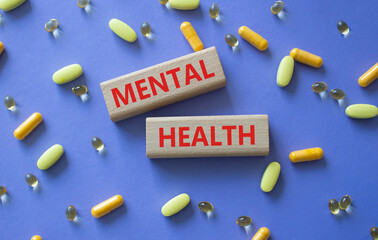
50, 157
270, 177
28, 126
285, 71
36, 237
122, 30
262, 234
175, 205
7, 5
306, 155
361, 111
184, 4
1, 47
67, 74
369, 76
107, 206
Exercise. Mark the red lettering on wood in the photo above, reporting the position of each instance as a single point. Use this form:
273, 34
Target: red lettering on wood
229, 133
251, 134
190, 68
125, 99
162, 137
196, 138
174, 76
141, 89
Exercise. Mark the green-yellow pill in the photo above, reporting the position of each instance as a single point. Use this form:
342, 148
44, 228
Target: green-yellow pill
7, 5
184, 4
122, 30
67, 74
285, 71
270, 177
175, 205
361, 111
50, 157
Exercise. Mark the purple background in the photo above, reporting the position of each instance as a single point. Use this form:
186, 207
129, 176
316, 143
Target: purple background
295, 209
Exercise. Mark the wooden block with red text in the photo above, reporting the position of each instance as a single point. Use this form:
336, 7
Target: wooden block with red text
207, 136
163, 84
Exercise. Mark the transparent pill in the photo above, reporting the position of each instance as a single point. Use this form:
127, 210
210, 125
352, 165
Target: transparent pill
97, 143
82, 3
79, 90
214, 10
343, 28
31, 180
345, 202
337, 94
244, 221
277, 7
374, 233
9, 102
145, 29
205, 207
71, 212
163, 1
231, 40
333, 206
51, 25
319, 87
3, 190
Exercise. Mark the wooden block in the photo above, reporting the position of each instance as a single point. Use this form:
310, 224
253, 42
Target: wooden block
209, 136
163, 84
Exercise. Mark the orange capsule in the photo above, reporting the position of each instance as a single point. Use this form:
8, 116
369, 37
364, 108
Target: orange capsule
262, 234
306, 58
191, 36
1, 47
107, 206
306, 155
253, 38
369, 76
28, 126
36, 237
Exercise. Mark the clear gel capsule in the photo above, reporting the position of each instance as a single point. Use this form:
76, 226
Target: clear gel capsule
205, 207
243, 221
9, 102
145, 29
231, 40
52, 26
345, 202
79, 90
337, 94
163, 1
82, 3
374, 233
277, 7
214, 10
71, 212
31, 180
97, 143
3, 190
343, 28
333, 206
319, 87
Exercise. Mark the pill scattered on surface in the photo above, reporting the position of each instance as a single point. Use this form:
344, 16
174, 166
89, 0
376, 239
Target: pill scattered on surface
270, 177
231, 40
191, 36
205, 207
97, 143
51, 25
7, 5
28, 126
122, 30
337, 94
175, 205
82, 3
36, 237
333, 206
305, 155
319, 87
277, 7
343, 28
163, 1
184, 4
1, 44
262, 234
214, 10
31, 180
361, 111
79, 90
107, 206
374, 233
345, 202
67, 74
368, 77
145, 28
285, 71
9, 102
244, 221
70, 213
3, 190
50, 157
306, 58
253, 38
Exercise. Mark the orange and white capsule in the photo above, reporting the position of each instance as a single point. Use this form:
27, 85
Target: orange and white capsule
107, 206
262, 234
369, 76
253, 38
1, 47
306, 155
28, 126
191, 36
306, 58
